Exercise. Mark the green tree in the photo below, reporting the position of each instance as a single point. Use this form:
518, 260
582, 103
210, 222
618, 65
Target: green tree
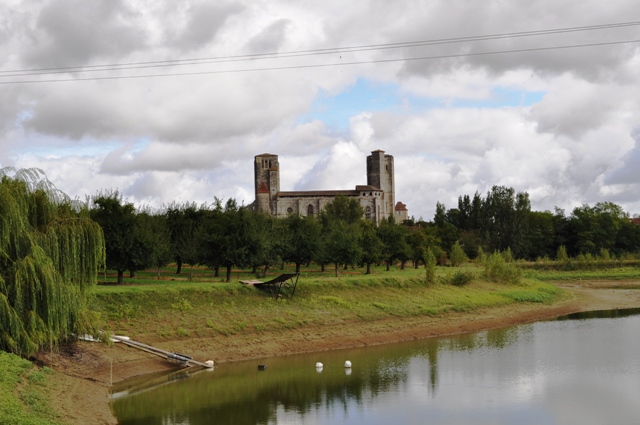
229, 238
542, 235
267, 247
457, 255
446, 231
343, 244
370, 244
49, 258
344, 209
185, 222
506, 219
597, 227
394, 240
300, 239
117, 219
152, 242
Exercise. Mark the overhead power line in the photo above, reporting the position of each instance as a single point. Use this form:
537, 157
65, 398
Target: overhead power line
313, 52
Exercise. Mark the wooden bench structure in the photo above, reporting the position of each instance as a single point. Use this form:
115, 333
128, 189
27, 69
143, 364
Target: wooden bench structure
284, 285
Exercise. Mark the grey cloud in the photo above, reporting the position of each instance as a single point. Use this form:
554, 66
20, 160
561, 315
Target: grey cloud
76, 114
629, 172
74, 32
462, 18
270, 38
146, 186
575, 110
202, 23
198, 109
162, 157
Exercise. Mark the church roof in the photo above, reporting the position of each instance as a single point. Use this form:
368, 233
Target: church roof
312, 193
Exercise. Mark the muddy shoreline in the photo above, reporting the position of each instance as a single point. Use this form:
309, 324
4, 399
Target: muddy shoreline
87, 370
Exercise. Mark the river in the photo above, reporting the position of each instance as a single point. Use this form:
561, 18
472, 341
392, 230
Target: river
579, 369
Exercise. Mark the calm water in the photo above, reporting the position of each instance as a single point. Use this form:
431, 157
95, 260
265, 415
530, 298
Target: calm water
582, 369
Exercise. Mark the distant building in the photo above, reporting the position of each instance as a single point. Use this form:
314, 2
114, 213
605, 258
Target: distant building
401, 213
376, 197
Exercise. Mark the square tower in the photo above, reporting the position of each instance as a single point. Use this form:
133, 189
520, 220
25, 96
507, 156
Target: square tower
380, 175
267, 182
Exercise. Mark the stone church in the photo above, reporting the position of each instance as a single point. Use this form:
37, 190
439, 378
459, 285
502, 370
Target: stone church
377, 197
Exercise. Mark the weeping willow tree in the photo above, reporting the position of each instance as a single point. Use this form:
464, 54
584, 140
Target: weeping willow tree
50, 253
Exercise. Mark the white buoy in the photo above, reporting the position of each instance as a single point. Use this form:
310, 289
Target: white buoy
319, 365
347, 364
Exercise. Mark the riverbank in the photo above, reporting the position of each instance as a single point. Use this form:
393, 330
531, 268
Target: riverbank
87, 369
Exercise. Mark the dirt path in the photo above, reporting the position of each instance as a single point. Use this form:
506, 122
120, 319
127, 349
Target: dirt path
87, 369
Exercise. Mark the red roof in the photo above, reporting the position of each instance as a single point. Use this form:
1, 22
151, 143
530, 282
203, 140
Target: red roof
400, 206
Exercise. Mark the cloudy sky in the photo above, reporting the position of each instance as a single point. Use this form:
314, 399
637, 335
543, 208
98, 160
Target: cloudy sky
170, 101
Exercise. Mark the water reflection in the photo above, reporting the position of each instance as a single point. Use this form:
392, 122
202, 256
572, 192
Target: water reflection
511, 375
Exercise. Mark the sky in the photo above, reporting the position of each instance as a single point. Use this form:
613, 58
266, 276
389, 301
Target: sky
170, 101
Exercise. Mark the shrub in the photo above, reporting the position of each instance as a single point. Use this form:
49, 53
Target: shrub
430, 266
457, 255
507, 255
496, 269
460, 278
561, 254
604, 254
481, 256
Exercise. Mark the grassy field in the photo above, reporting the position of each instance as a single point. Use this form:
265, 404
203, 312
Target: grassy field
25, 392
174, 307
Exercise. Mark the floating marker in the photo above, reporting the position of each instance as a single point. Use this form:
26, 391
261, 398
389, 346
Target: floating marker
347, 364
319, 365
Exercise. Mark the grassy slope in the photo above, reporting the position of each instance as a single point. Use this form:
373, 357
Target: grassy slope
167, 310
25, 392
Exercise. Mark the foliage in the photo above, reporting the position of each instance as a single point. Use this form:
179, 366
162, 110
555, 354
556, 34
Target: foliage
117, 220
503, 220
561, 255
459, 278
185, 223
300, 239
370, 245
344, 209
394, 239
430, 266
342, 244
49, 257
457, 255
496, 269
230, 238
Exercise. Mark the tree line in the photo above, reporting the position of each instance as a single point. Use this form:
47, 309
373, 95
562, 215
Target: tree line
225, 236
503, 220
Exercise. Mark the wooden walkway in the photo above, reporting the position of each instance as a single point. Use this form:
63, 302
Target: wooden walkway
178, 358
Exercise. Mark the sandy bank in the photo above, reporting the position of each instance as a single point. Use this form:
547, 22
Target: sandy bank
87, 369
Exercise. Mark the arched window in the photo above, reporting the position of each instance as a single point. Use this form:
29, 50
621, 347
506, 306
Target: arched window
310, 210
367, 213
